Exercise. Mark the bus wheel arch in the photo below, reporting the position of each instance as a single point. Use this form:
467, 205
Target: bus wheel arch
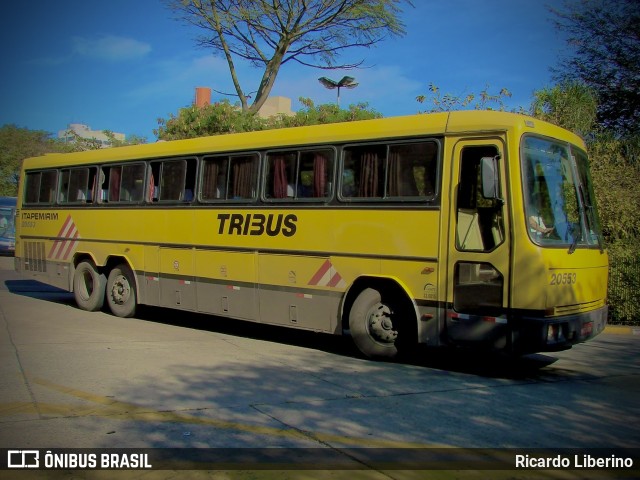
121, 289
88, 284
381, 318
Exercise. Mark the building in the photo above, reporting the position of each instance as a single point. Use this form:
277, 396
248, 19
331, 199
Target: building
80, 130
273, 105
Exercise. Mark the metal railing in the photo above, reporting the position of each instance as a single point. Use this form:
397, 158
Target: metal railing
624, 291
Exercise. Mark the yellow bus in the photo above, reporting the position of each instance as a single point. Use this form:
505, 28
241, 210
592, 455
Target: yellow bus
471, 228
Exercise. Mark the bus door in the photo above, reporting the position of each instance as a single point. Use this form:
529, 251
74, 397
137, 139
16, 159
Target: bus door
478, 260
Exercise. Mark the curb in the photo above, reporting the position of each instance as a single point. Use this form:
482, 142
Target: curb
622, 330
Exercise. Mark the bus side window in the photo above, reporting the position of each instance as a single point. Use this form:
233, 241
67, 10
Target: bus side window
479, 220
132, 183
74, 185
63, 189
153, 177
109, 183
214, 178
114, 183
78, 184
314, 174
299, 174
93, 181
32, 187
41, 187
367, 164
190, 181
412, 170
244, 177
281, 173
48, 186
172, 180
103, 185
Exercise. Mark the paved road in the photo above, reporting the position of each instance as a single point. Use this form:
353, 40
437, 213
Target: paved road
69, 378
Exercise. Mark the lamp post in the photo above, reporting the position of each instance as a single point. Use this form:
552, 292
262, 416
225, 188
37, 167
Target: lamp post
346, 82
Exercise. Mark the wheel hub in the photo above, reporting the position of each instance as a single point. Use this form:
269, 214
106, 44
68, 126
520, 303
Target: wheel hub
380, 324
120, 290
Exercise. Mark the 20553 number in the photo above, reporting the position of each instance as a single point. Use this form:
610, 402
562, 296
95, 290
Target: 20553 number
563, 279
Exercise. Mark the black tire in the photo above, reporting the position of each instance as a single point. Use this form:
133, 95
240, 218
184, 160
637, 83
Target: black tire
121, 291
89, 286
371, 326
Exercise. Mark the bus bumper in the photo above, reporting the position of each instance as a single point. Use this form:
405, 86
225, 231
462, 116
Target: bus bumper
532, 335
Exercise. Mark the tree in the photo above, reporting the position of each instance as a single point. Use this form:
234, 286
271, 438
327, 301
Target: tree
17, 144
449, 102
269, 34
216, 119
132, 139
572, 105
312, 114
615, 170
81, 144
614, 160
222, 117
606, 37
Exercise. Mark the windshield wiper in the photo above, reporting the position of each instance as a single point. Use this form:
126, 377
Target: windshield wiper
576, 238
577, 229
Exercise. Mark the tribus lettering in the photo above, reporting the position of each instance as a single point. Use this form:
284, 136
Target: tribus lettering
257, 224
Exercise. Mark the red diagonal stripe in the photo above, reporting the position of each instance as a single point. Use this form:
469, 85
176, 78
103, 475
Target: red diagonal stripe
65, 225
54, 248
62, 248
335, 280
320, 273
71, 245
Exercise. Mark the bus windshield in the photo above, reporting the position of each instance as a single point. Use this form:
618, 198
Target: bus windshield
559, 200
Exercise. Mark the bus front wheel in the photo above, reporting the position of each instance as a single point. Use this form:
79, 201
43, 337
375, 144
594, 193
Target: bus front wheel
121, 291
372, 327
89, 286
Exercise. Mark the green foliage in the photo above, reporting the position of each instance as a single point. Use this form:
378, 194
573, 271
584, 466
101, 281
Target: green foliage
448, 102
130, 139
215, 119
327, 113
615, 164
223, 117
16, 144
572, 105
624, 283
615, 170
605, 39
616, 175
268, 35
81, 144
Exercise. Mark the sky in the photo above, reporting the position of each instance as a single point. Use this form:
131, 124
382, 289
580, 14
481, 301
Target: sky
120, 65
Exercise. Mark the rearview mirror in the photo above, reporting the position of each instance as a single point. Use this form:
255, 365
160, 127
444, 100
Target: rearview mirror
490, 179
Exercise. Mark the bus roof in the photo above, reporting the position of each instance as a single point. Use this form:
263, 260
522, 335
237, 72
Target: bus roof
392, 127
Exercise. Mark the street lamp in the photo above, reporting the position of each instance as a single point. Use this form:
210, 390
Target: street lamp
346, 82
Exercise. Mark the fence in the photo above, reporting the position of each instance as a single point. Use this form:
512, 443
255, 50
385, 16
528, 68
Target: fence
624, 290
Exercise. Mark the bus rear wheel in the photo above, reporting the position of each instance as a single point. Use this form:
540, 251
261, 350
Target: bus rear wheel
89, 286
121, 291
372, 327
